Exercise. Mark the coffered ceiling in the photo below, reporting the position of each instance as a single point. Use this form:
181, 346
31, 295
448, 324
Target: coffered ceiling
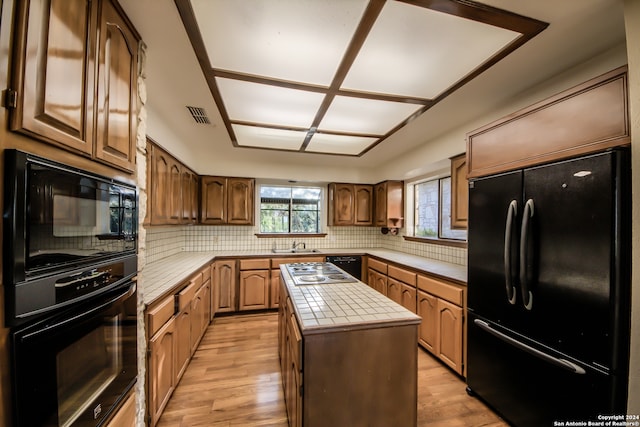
339, 77
347, 52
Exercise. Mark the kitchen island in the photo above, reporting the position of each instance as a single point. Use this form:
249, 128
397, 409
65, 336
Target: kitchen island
348, 355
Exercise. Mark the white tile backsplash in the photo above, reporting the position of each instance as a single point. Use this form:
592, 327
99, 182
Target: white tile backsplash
165, 241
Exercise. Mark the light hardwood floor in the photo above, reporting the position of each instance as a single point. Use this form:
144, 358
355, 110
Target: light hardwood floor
234, 380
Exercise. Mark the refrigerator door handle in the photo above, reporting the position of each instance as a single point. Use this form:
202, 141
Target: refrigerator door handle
512, 211
527, 296
559, 362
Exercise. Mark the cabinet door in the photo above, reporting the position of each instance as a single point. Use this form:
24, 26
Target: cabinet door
197, 315
459, 192
274, 292
160, 201
185, 184
343, 202
394, 290
380, 191
194, 197
161, 369
175, 196
254, 289
116, 115
213, 205
225, 286
183, 341
240, 201
449, 348
409, 298
53, 73
428, 329
379, 282
363, 205
126, 415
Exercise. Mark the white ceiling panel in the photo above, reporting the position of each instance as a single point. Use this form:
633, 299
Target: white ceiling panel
260, 137
273, 38
365, 116
414, 51
265, 104
339, 144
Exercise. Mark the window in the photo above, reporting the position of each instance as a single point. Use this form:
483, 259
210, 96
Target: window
290, 209
432, 201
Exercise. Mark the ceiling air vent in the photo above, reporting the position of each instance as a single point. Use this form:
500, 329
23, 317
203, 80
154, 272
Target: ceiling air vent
199, 115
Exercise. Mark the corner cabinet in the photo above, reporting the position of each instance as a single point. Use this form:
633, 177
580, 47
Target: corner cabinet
350, 204
75, 78
226, 200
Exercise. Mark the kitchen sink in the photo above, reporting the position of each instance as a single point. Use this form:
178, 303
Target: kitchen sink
294, 251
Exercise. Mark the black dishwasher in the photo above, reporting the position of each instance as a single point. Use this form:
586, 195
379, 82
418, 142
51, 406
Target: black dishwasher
352, 264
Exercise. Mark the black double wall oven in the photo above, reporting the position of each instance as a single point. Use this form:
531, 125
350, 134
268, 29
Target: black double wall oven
69, 267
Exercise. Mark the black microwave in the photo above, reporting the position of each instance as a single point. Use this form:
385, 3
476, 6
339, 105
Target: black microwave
69, 234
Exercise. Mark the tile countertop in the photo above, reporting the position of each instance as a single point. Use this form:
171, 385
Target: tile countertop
343, 306
167, 273
161, 276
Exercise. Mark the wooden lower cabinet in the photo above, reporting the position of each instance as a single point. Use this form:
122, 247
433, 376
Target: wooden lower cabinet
224, 285
126, 415
408, 298
274, 289
377, 281
441, 330
254, 289
161, 377
394, 289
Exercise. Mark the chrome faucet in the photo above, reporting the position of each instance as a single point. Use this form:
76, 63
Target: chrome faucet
295, 245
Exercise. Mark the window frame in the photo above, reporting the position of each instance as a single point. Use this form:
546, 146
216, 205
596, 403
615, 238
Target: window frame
410, 189
321, 209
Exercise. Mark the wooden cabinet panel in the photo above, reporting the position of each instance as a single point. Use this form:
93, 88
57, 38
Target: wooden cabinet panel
240, 201
254, 289
450, 292
58, 82
53, 71
363, 214
350, 204
377, 265
590, 117
189, 191
159, 315
175, 192
409, 298
160, 200
226, 200
183, 341
428, 329
213, 200
224, 295
274, 291
449, 347
161, 374
255, 264
378, 281
116, 121
389, 204
459, 192
126, 415
394, 290
198, 313
405, 276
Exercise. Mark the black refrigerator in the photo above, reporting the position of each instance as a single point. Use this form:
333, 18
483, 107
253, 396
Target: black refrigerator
548, 290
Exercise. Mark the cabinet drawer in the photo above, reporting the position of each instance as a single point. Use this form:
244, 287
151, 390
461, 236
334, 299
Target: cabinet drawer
441, 289
159, 315
405, 276
255, 264
185, 296
377, 265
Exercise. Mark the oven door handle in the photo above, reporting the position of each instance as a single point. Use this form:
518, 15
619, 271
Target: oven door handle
116, 299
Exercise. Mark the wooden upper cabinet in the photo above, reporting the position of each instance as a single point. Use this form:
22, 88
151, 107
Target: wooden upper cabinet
226, 200
459, 192
389, 204
189, 190
240, 201
116, 115
72, 89
175, 191
590, 117
54, 62
350, 204
363, 205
